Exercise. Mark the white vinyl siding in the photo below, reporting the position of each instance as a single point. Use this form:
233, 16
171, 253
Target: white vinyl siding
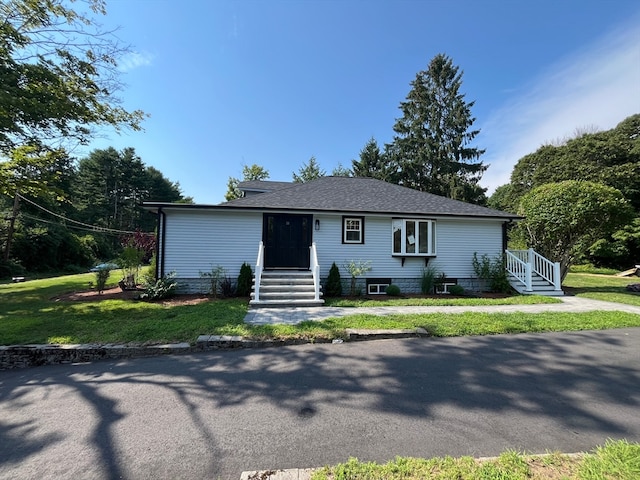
197, 240
456, 240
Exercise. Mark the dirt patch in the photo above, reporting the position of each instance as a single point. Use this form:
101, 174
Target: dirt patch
117, 293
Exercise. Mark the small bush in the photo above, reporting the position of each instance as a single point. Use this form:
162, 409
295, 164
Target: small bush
227, 288
356, 268
162, 288
492, 270
245, 279
393, 290
428, 280
12, 268
102, 276
215, 277
334, 284
456, 290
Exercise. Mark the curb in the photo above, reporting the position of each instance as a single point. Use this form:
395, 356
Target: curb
23, 356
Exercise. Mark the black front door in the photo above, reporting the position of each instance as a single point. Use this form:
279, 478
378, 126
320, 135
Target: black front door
287, 239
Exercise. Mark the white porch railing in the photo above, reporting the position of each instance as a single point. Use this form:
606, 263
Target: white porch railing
522, 264
259, 269
315, 270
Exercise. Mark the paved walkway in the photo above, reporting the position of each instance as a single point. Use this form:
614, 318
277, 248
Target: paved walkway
295, 315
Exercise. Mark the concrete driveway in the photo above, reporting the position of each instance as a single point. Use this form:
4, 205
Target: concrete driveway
214, 415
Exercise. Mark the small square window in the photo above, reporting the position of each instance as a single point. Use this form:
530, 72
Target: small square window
352, 230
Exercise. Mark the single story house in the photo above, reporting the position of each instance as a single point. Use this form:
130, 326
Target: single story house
305, 227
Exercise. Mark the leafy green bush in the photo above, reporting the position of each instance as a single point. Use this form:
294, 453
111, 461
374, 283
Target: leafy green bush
456, 290
493, 271
102, 275
428, 280
162, 288
334, 284
215, 277
393, 290
12, 268
227, 288
356, 268
245, 279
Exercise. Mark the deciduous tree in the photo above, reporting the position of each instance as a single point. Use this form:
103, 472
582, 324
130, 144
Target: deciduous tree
59, 74
249, 173
564, 219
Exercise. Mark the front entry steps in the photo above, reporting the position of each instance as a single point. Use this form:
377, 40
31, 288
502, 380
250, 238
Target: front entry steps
286, 288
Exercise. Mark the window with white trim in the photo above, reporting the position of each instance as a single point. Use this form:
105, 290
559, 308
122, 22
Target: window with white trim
413, 237
352, 229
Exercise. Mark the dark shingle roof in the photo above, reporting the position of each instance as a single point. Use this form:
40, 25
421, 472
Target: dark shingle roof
263, 185
360, 195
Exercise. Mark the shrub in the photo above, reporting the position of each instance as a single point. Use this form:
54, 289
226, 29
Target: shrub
215, 277
428, 280
162, 288
356, 268
245, 280
334, 284
12, 268
227, 288
102, 275
456, 290
393, 290
492, 270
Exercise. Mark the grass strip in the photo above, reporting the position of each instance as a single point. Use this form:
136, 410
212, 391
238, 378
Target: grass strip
616, 460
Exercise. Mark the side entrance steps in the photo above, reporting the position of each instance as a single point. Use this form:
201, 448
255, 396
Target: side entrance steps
539, 286
286, 288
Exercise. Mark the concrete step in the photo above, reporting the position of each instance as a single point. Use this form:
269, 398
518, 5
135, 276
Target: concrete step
286, 303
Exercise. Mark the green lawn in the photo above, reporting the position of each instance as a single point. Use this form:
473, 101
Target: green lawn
619, 460
30, 313
602, 287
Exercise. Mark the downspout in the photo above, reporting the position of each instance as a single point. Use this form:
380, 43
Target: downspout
160, 244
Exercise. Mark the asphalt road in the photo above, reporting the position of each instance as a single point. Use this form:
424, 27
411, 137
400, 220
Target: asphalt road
213, 415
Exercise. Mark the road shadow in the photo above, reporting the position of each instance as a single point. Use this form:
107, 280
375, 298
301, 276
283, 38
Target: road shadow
536, 374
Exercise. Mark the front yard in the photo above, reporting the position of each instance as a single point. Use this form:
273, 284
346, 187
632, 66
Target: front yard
36, 312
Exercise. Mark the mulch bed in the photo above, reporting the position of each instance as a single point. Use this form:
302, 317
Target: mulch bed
117, 293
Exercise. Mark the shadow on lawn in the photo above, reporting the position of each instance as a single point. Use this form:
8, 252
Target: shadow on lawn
229, 403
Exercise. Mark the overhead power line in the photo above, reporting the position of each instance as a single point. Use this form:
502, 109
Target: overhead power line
93, 228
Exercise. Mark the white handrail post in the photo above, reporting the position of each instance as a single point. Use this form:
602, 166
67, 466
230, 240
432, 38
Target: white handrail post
556, 276
259, 268
315, 270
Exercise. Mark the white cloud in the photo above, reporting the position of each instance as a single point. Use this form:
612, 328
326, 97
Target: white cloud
134, 60
598, 87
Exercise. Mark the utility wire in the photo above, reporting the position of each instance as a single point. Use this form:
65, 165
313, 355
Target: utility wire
52, 222
93, 228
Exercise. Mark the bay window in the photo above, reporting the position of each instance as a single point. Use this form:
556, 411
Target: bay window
413, 237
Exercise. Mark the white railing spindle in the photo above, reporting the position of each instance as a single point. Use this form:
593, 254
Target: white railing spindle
259, 269
315, 270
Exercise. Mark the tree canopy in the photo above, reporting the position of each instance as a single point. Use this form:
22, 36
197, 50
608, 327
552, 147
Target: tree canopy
432, 148
249, 173
59, 75
309, 171
564, 219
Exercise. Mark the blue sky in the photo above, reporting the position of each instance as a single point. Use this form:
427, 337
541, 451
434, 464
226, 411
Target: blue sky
272, 82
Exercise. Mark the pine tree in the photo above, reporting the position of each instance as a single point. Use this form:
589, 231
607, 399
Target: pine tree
432, 149
309, 171
372, 162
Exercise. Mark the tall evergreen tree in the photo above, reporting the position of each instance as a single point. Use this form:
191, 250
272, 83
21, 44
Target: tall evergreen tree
372, 162
309, 171
432, 148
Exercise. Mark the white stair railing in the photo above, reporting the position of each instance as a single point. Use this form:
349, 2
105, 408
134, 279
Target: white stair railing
519, 268
535, 263
315, 270
259, 269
